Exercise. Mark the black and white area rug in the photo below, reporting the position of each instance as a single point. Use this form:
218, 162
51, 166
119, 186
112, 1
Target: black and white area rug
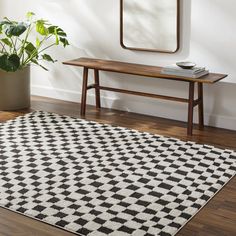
96, 180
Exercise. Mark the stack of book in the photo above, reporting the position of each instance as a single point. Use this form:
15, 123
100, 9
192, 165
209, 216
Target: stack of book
195, 72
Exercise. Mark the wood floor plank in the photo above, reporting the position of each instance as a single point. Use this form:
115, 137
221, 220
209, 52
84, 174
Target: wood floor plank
218, 218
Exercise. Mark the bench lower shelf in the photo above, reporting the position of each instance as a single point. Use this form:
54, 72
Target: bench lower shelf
190, 101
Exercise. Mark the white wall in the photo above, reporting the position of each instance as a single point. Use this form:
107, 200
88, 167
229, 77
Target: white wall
93, 29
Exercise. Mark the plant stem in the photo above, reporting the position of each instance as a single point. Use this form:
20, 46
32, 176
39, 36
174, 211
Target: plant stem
47, 48
15, 44
33, 54
13, 49
44, 39
24, 42
3, 48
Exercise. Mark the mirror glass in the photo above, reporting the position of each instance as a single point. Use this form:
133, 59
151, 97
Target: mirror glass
150, 25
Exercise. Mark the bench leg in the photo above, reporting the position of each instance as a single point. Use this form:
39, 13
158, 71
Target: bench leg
97, 90
84, 92
200, 106
190, 108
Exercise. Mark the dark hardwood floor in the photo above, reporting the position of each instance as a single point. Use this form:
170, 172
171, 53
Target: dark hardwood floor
218, 218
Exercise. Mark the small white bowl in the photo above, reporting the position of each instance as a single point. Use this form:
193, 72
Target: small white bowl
186, 64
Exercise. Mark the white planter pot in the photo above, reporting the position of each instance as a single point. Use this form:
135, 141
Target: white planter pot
15, 89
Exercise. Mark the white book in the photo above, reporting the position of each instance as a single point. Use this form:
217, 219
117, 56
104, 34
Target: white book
183, 73
175, 68
194, 76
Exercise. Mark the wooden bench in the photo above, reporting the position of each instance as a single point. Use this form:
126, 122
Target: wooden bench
143, 70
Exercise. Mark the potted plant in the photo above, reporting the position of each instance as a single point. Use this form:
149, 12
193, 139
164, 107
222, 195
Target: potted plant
23, 44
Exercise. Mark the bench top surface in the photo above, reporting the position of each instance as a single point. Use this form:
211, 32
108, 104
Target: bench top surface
138, 69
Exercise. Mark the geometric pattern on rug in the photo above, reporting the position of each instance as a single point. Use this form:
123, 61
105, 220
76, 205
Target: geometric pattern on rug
96, 179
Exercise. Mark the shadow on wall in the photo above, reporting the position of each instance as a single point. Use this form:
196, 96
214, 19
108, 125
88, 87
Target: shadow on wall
90, 29
99, 44
101, 37
223, 103
95, 34
185, 28
2, 9
75, 17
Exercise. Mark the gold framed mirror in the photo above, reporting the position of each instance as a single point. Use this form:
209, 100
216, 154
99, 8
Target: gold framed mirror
150, 25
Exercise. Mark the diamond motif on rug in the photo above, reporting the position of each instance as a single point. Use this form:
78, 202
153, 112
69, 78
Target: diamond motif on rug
95, 179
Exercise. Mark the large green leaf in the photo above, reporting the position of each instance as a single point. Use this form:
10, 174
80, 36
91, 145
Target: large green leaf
52, 28
56, 30
4, 23
15, 29
30, 49
7, 42
41, 28
64, 41
60, 32
9, 63
48, 58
